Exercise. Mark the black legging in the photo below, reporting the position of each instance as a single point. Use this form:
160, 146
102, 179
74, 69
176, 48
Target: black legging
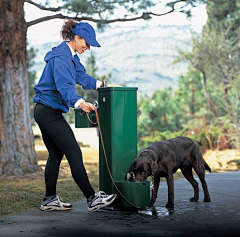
60, 140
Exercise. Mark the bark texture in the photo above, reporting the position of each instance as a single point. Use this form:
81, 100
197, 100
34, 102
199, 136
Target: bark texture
17, 154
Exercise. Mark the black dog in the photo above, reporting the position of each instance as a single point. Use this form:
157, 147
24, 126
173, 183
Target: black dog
164, 158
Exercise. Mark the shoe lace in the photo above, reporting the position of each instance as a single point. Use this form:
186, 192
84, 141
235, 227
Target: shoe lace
59, 198
101, 194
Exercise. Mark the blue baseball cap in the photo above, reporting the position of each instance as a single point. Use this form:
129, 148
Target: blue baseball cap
86, 31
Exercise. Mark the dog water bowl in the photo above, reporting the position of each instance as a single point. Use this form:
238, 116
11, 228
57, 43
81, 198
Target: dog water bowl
136, 193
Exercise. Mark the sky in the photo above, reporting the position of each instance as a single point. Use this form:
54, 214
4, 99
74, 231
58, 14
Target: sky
50, 30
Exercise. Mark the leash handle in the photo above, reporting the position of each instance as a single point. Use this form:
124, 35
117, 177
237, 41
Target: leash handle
90, 119
83, 112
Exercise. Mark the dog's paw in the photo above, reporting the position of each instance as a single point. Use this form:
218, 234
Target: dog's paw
207, 200
170, 205
151, 204
193, 199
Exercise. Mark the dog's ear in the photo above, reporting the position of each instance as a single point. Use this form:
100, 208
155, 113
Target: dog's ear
133, 165
130, 175
154, 166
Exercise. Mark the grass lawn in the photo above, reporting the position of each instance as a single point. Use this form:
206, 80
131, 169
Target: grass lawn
18, 194
21, 195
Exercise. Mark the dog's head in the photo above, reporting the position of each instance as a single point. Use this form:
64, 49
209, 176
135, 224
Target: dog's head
143, 167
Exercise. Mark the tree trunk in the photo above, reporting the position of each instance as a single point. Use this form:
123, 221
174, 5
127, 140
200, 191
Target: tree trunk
226, 97
226, 82
192, 105
213, 108
237, 119
17, 155
210, 103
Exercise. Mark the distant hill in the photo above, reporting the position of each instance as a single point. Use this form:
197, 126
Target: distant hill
135, 56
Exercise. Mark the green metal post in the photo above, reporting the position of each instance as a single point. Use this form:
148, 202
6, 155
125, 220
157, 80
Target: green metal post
118, 119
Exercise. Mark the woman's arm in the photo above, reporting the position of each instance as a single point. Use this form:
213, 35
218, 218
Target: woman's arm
83, 79
63, 73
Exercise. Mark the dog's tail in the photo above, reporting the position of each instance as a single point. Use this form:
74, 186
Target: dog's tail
200, 157
207, 166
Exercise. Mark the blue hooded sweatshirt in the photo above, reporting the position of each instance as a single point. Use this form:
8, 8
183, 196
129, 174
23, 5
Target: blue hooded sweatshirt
56, 87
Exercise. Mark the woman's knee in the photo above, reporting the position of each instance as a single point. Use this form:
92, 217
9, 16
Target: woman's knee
55, 157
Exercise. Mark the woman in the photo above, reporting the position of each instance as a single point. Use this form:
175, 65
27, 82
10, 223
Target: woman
55, 93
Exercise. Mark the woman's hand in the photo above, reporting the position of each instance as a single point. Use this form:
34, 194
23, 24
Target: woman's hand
86, 107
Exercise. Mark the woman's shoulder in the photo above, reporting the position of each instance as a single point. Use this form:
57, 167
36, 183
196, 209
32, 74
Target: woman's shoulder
63, 60
60, 53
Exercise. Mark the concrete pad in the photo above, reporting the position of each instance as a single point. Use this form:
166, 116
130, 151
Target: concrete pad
219, 218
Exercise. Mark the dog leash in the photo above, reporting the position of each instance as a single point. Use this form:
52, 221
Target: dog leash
105, 156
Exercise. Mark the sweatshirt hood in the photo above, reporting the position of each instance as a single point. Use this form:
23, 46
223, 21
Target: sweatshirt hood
60, 50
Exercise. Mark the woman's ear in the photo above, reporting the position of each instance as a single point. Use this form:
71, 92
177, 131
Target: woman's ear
75, 38
154, 166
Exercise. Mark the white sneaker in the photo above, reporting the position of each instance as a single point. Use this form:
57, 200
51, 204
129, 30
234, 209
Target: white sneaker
55, 204
100, 200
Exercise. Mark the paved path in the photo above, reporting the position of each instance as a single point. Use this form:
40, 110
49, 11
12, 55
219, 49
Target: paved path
219, 218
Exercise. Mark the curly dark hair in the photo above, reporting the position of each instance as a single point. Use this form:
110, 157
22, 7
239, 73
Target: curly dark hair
66, 31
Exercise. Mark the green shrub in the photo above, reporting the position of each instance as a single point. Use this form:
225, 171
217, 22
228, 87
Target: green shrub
209, 138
